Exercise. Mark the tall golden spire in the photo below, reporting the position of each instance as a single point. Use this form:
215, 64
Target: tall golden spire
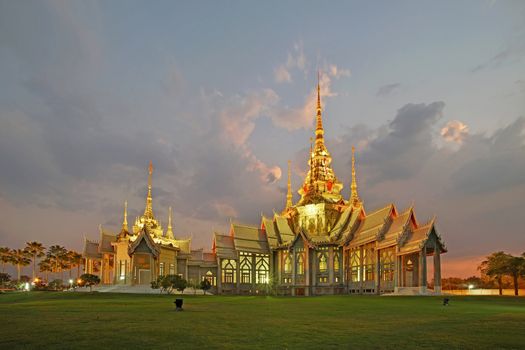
319, 131
125, 221
148, 212
354, 197
169, 232
289, 203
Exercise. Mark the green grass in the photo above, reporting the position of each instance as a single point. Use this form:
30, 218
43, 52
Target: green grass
96, 321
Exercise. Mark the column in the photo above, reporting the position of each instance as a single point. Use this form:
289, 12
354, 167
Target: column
254, 273
377, 275
331, 267
437, 270
279, 264
238, 275
307, 276
293, 271
315, 264
422, 269
219, 276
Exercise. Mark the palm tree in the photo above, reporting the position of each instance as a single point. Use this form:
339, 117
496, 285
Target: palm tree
56, 254
515, 269
36, 250
496, 266
46, 266
5, 257
76, 260
20, 258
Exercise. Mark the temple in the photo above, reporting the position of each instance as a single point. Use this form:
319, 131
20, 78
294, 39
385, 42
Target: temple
323, 244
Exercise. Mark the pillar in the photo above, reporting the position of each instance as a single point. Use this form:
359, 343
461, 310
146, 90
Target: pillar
219, 276
377, 275
437, 270
294, 268
307, 276
331, 267
422, 270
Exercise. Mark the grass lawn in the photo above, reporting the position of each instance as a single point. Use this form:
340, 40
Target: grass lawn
103, 320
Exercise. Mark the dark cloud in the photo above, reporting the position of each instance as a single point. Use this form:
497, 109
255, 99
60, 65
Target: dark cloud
387, 89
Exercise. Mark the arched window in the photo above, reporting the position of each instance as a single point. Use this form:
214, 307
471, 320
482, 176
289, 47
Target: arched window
287, 263
229, 267
337, 262
246, 268
323, 265
262, 266
210, 278
299, 269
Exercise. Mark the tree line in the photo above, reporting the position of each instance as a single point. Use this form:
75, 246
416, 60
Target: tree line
499, 265
54, 259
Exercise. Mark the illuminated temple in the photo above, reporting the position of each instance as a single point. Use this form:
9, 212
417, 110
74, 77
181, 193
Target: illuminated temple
323, 244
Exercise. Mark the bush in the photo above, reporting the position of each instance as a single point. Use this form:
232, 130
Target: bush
168, 283
56, 285
4, 278
88, 280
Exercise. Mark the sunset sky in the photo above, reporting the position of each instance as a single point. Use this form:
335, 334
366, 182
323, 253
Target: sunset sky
220, 94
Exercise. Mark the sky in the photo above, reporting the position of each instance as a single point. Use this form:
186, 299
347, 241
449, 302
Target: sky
220, 95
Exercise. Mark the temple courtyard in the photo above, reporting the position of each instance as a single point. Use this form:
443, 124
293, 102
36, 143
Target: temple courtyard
105, 320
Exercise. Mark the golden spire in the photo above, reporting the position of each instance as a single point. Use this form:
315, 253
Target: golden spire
125, 222
354, 197
289, 193
169, 232
319, 131
148, 212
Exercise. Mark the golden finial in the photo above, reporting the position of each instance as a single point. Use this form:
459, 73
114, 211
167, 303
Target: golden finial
125, 222
169, 232
319, 128
148, 212
289, 193
354, 197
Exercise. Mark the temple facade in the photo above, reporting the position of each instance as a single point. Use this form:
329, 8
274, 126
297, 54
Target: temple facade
323, 244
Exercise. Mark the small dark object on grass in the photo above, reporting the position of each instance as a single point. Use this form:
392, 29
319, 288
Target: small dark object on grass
445, 301
178, 304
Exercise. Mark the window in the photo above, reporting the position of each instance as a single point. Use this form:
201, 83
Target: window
287, 280
210, 278
323, 266
299, 268
387, 264
355, 265
122, 269
161, 269
172, 269
287, 263
337, 262
246, 268
323, 279
368, 262
262, 267
229, 268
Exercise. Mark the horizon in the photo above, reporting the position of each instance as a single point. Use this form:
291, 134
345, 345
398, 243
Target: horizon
219, 98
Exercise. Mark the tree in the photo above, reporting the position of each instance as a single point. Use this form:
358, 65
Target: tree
35, 250
515, 268
205, 285
20, 258
89, 280
45, 266
75, 260
496, 266
56, 254
180, 284
6, 256
4, 278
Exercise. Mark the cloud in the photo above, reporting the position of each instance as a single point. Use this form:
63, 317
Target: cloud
454, 131
296, 60
282, 75
302, 117
513, 53
386, 90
